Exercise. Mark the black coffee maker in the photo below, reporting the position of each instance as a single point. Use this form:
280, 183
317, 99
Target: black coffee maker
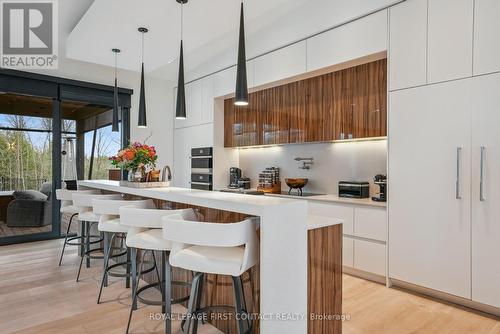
381, 181
234, 176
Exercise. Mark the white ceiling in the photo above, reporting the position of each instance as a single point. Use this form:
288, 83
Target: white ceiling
113, 24
210, 28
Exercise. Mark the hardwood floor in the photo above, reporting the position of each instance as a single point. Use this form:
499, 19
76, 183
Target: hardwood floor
373, 308
6, 231
37, 296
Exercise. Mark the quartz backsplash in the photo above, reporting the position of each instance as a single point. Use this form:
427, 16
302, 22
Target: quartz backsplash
333, 162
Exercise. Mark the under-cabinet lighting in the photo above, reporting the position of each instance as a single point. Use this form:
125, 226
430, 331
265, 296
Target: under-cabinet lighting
356, 140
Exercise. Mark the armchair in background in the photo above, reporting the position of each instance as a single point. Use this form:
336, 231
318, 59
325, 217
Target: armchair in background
31, 208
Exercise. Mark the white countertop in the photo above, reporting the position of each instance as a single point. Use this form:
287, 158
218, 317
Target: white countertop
334, 199
314, 222
284, 223
249, 204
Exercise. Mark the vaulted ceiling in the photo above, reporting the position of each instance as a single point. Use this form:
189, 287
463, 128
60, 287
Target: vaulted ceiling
210, 28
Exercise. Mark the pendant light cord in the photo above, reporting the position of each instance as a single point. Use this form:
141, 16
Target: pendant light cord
182, 20
116, 61
142, 47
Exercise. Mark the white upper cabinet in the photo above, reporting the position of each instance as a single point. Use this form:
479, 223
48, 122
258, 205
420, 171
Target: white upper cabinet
250, 74
408, 44
207, 99
450, 39
225, 82
193, 105
281, 64
486, 39
353, 40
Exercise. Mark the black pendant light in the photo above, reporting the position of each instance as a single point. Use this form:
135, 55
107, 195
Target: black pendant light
142, 98
114, 124
241, 96
180, 108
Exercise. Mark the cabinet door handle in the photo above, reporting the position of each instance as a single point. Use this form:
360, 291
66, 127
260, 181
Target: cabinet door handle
457, 183
481, 175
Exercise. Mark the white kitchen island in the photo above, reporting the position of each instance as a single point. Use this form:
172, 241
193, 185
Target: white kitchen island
283, 247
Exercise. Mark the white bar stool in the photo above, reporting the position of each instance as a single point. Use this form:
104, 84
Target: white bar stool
213, 248
146, 234
110, 225
83, 202
66, 198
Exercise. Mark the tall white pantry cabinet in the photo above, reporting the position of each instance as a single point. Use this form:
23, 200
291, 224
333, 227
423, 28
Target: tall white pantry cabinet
444, 169
485, 186
444, 152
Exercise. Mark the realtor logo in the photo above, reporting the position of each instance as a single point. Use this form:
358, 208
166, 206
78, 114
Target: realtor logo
29, 34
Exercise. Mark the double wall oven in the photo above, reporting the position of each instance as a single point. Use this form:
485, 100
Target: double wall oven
201, 168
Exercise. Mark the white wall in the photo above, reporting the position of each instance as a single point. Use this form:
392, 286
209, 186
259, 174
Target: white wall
333, 162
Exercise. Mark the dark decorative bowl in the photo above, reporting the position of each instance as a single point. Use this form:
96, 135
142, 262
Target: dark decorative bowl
296, 183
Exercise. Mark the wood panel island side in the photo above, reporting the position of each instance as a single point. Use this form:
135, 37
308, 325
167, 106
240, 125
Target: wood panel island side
297, 286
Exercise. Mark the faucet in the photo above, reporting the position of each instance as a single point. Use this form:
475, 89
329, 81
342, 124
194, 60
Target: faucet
164, 177
306, 162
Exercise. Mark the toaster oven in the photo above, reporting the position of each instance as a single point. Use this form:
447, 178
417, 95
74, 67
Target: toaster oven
352, 189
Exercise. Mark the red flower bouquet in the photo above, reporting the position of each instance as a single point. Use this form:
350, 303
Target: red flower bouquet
135, 157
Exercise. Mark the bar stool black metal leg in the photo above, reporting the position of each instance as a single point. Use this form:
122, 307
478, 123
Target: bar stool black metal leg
238, 295
157, 271
127, 279
82, 234
162, 279
167, 289
134, 293
84, 228
66, 237
192, 302
199, 296
87, 242
133, 255
107, 253
248, 320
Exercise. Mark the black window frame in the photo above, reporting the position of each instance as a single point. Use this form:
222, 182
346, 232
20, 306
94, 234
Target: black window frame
59, 90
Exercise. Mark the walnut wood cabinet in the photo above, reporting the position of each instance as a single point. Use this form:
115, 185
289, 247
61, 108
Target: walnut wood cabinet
347, 104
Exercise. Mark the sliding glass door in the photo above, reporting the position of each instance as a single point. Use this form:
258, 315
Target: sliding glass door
25, 166
53, 132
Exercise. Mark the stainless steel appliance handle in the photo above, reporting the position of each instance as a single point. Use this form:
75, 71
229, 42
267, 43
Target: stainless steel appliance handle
457, 183
481, 175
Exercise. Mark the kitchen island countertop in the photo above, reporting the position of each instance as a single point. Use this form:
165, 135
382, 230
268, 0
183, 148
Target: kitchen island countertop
283, 245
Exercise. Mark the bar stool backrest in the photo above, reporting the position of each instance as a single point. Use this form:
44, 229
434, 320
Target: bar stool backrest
66, 196
183, 232
149, 218
112, 207
84, 201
